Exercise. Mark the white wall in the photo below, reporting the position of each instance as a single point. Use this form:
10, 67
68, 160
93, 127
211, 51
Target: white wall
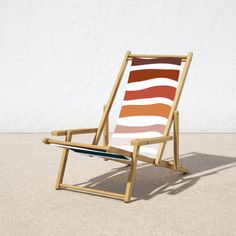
59, 59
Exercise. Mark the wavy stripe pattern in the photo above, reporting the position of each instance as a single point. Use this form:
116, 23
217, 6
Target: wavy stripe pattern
145, 110
150, 134
151, 83
141, 75
141, 120
162, 91
138, 129
148, 99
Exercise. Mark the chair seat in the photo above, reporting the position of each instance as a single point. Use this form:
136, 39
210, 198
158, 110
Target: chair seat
95, 153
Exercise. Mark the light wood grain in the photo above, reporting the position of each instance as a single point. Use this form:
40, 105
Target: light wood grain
93, 191
73, 131
62, 166
176, 139
73, 144
146, 141
131, 177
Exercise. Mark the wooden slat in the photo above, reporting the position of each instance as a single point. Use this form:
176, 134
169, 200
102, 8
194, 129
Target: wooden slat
111, 98
62, 166
73, 131
131, 56
171, 165
106, 130
146, 159
120, 161
119, 151
82, 145
174, 106
146, 141
93, 191
176, 139
131, 177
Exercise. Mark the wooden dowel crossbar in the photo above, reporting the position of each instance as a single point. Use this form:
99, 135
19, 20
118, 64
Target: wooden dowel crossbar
93, 191
73, 131
105, 130
73, 144
182, 60
131, 56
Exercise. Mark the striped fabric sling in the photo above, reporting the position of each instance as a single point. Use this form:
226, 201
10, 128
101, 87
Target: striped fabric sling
147, 111
147, 102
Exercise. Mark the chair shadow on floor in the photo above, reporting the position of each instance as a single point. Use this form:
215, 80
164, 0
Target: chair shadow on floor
151, 181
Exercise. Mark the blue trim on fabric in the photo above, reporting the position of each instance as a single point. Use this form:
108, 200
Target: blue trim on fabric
100, 153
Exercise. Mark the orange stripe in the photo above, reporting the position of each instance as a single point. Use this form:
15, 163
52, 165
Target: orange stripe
145, 110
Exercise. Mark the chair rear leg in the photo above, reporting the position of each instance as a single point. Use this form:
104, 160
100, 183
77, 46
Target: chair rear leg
176, 140
131, 178
105, 132
62, 166
174, 165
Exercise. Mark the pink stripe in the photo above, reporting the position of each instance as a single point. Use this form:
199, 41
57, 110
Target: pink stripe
137, 129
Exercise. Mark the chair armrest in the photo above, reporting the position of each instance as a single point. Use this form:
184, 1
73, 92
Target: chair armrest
73, 131
146, 141
73, 144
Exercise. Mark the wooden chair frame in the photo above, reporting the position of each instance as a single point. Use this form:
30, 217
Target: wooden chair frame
137, 143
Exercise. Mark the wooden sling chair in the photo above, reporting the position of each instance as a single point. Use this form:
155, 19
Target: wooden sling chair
149, 107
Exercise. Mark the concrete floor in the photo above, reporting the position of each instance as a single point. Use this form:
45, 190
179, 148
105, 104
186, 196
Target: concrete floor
165, 202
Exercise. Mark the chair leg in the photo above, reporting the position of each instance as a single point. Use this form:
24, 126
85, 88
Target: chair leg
174, 165
106, 132
176, 140
62, 166
130, 182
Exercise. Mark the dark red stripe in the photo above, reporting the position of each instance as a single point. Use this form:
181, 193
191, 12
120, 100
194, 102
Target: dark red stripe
167, 60
141, 75
157, 91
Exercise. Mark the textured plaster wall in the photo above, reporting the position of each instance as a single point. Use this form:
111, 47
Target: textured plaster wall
59, 59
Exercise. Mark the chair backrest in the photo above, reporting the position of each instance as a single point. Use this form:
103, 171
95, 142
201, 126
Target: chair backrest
148, 99
152, 94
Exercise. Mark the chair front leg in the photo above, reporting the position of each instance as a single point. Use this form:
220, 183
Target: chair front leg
62, 166
131, 178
